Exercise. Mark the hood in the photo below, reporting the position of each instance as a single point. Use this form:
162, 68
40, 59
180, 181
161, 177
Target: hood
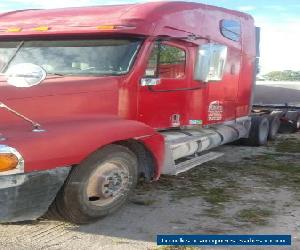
60, 98
57, 85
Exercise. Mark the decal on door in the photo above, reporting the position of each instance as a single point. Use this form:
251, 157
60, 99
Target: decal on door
215, 111
196, 122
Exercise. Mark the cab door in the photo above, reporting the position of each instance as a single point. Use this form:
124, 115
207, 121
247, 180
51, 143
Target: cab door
223, 93
161, 102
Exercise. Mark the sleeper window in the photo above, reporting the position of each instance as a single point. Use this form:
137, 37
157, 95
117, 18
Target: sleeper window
166, 62
231, 29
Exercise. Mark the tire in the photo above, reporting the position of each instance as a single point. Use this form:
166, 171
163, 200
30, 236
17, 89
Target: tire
291, 123
98, 186
274, 122
259, 131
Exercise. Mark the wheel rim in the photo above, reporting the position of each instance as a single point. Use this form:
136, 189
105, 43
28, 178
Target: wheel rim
264, 131
109, 182
298, 123
274, 127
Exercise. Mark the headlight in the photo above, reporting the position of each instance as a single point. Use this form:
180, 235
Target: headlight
11, 161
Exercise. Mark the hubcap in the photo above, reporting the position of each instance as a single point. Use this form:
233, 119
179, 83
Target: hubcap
108, 182
264, 130
274, 127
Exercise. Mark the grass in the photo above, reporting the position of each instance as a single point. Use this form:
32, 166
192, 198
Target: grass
210, 192
210, 183
215, 211
143, 202
254, 215
217, 195
289, 145
278, 171
223, 184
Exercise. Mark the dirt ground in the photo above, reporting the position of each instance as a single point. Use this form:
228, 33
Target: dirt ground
248, 191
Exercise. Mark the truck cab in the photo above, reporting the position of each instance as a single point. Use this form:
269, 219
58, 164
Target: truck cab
93, 98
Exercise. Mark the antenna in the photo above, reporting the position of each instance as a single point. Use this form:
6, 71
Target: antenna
36, 126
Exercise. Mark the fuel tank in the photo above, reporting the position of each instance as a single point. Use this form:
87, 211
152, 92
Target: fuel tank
192, 144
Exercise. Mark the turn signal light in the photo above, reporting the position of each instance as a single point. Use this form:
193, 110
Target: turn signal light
8, 162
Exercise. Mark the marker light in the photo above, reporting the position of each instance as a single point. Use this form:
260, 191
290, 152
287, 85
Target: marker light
114, 27
41, 28
106, 27
14, 29
11, 161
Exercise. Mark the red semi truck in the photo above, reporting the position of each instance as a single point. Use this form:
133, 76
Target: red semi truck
93, 98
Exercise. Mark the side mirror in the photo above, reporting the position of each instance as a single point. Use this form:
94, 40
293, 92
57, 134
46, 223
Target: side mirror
150, 81
210, 62
25, 75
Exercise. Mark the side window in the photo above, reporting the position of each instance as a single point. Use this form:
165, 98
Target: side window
231, 29
166, 62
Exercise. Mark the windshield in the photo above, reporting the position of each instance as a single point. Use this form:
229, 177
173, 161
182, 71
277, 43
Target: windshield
72, 57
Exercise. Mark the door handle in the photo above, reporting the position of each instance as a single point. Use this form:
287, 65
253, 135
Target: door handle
150, 81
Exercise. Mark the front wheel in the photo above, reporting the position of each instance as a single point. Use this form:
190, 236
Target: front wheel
98, 186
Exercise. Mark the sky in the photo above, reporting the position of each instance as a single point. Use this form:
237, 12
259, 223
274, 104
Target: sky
279, 20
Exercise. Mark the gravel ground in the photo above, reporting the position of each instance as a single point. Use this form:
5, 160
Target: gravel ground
249, 190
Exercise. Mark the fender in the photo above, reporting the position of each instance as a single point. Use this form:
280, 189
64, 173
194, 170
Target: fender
156, 145
66, 143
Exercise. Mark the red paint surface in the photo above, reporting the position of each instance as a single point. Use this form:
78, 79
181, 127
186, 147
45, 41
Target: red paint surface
81, 114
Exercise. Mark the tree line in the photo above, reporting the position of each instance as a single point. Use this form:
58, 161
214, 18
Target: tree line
286, 75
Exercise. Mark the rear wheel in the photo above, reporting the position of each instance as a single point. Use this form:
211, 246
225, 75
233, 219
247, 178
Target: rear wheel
98, 186
291, 123
259, 131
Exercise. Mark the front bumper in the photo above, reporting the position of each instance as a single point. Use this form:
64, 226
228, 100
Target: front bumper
28, 196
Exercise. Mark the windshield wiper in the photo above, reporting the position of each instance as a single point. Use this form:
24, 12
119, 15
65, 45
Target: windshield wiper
5, 66
56, 74
36, 126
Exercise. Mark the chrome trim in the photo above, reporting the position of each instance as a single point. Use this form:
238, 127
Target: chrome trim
20, 167
150, 81
132, 60
143, 136
38, 130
